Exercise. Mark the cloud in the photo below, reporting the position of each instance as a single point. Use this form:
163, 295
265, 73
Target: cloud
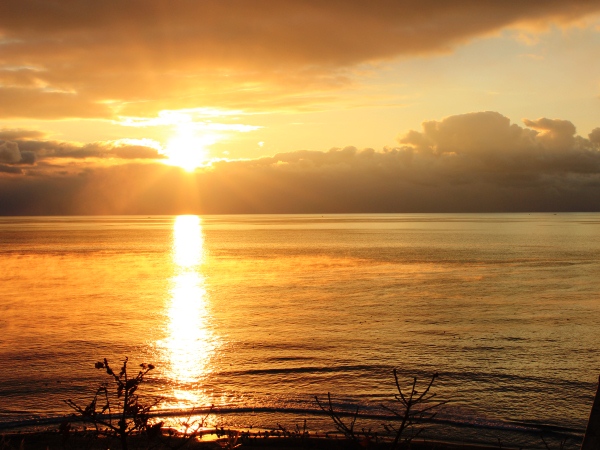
11, 154
65, 58
465, 163
553, 132
594, 136
21, 134
483, 133
25, 148
487, 143
10, 169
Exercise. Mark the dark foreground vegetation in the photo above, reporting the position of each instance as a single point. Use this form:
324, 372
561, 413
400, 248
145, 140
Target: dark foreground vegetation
52, 440
117, 417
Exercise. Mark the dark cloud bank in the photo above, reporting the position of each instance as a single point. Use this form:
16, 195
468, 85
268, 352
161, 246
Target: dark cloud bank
476, 162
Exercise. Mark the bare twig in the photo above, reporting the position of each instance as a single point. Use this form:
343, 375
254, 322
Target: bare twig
346, 430
415, 408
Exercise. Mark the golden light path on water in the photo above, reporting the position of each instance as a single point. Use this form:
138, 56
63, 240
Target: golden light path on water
190, 343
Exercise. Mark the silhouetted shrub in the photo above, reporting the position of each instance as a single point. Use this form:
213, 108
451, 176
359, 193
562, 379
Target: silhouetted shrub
119, 413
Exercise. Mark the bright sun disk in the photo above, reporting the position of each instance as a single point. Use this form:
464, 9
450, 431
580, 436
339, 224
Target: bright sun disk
187, 150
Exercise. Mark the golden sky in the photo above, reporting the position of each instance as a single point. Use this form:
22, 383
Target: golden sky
242, 106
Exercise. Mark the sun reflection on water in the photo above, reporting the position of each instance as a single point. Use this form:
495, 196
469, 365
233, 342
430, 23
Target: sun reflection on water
188, 242
190, 342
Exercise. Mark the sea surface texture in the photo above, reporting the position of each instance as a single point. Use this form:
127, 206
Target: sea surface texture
257, 315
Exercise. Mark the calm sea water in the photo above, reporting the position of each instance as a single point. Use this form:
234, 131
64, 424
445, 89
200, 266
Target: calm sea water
266, 312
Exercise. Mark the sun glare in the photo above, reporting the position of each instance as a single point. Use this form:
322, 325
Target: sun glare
187, 149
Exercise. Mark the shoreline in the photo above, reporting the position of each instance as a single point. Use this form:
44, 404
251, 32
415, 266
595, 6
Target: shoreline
217, 439
44, 433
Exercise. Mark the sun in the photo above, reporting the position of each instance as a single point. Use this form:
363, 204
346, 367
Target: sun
187, 149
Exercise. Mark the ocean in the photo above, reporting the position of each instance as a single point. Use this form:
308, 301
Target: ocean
258, 314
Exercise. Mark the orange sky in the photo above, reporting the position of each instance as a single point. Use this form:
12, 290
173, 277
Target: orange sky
138, 107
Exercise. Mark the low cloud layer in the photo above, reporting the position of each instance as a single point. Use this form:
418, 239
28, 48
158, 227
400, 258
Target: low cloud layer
67, 58
29, 146
466, 163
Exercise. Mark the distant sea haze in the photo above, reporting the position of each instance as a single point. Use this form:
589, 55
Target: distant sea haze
263, 312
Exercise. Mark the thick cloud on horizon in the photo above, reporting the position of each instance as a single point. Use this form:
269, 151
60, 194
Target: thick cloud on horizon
471, 162
67, 58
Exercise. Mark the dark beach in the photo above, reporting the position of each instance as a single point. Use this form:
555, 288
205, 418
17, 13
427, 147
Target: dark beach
53, 439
